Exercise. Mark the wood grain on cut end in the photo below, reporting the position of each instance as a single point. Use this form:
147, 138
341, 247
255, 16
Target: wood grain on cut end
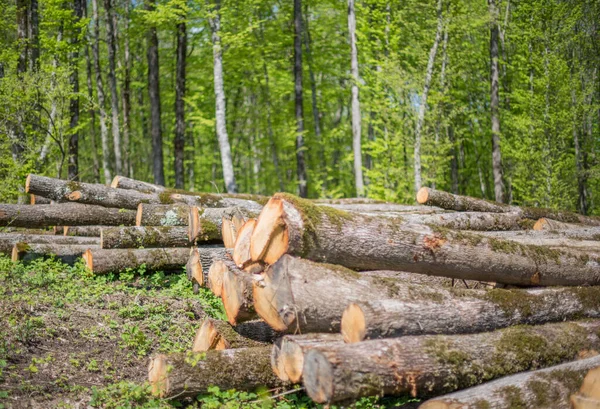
276, 363
193, 223
320, 386
89, 259
14, 255
215, 277
228, 233
591, 385
268, 225
423, 195
115, 182
27, 182
264, 295
353, 324
236, 295
442, 405
241, 250
157, 376
138, 215
292, 361
540, 224
74, 196
208, 338
66, 230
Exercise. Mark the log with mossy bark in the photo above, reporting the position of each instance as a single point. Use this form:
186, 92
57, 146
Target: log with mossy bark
287, 356
236, 293
144, 236
231, 225
386, 208
68, 253
123, 182
425, 310
115, 260
88, 193
162, 215
548, 224
206, 224
84, 231
290, 225
199, 262
544, 388
451, 201
71, 214
8, 240
219, 335
38, 200
190, 374
570, 241
430, 365
588, 396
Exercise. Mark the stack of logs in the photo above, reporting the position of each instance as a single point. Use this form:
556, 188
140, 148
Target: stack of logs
467, 303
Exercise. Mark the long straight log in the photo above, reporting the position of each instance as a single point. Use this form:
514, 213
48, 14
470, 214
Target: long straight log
548, 239
385, 208
431, 365
185, 374
477, 221
544, 388
219, 335
144, 236
88, 193
459, 311
289, 225
115, 260
85, 231
67, 253
450, 201
236, 294
8, 240
287, 356
123, 182
162, 215
72, 214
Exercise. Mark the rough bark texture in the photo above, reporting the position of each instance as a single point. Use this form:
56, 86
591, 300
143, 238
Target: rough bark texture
144, 236
298, 101
356, 115
115, 260
219, 335
33, 200
64, 214
124, 182
430, 365
8, 240
383, 208
570, 240
419, 310
162, 215
73, 167
206, 224
495, 103
87, 231
199, 262
236, 294
183, 374
67, 253
290, 225
111, 42
544, 388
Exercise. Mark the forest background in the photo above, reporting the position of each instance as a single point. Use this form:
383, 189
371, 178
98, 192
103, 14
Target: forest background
325, 98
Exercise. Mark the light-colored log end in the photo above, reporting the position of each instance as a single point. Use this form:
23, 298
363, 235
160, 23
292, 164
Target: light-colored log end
540, 224
101, 238
438, 404
292, 361
138, 215
268, 231
14, 255
318, 377
241, 249
65, 230
193, 223
158, 376
228, 233
423, 195
215, 277
353, 324
265, 299
196, 268
74, 196
27, 182
231, 297
208, 338
31, 199
89, 259
276, 364
115, 181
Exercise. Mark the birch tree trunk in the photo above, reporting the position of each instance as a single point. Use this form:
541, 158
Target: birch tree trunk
220, 114
112, 83
423, 104
356, 142
179, 142
300, 160
100, 92
494, 103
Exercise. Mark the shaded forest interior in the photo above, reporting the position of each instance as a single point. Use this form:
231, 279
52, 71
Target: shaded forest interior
493, 99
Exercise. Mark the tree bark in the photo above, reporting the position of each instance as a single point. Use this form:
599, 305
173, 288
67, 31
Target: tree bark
73, 167
287, 356
180, 375
115, 260
85, 231
145, 237
199, 263
8, 240
206, 224
289, 225
154, 95
100, 92
126, 93
423, 102
571, 240
162, 215
356, 114
418, 310
494, 103
298, 101
220, 114
111, 41
548, 388
449, 201
33, 200
236, 294
92, 111
72, 214
124, 182
430, 365
219, 335
179, 141
68, 253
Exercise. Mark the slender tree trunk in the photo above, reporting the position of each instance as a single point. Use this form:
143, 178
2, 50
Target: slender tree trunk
126, 94
179, 142
53, 108
112, 83
356, 142
494, 103
423, 104
270, 127
154, 94
300, 157
92, 111
581, 188
220, 114
100, 92
73, 168
441, 104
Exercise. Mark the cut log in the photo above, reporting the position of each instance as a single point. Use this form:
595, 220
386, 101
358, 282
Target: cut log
8, 240
588, 396
162, 215
205, 224
232, 225
450, 201
544, 388
236, 294
430, 365
115, 260
189, 374
86, 231
477, 221
549, 239
426, 310
67, 253
348, 200
72, 214
219, 335
88, 193
33, 200
289, 225
215, 276
287, 356
241, 251
199, 262
549, 224
60, 230
193, 270
374, 208
144, 236
123, 182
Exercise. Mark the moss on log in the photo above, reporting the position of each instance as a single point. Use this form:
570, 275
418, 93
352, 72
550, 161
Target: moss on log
144, 236
162, 215
115, 260
65, 214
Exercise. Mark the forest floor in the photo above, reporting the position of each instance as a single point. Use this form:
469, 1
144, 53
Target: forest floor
71, 340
